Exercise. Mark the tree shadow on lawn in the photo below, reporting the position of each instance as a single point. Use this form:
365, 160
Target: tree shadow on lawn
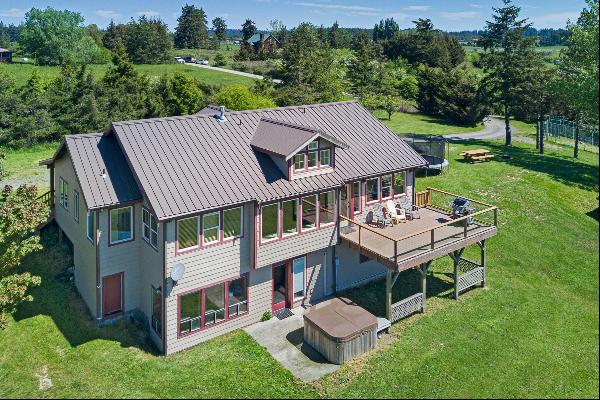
64, 305
564, 169
372, 295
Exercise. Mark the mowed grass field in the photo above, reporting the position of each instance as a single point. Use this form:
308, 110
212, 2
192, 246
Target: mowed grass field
22, 72
414, 123
532, 333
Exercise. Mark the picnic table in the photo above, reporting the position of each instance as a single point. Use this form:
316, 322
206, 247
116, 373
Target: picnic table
477, 155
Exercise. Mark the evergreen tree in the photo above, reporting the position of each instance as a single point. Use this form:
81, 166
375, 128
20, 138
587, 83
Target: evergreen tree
508, 58
220, 27
339, 38
114, 35
148, 41
248, 29
191, 31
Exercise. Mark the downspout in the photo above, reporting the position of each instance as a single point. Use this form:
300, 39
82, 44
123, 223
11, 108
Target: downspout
163, 323
98, 283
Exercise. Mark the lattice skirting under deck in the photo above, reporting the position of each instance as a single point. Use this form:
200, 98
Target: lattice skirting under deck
470, 274
406, 307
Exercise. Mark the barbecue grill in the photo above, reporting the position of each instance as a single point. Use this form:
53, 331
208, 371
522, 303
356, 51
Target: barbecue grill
462, 208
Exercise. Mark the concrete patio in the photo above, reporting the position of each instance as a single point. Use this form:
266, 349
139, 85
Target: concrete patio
283, 339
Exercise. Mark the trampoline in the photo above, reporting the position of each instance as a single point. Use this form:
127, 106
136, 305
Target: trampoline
434, 149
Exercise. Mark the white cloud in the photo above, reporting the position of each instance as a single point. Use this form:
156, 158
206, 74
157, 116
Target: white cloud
456, 16
148, 13
556, 20
417, 8
476, 6
108, 14
358, 10
13, 12
399, 16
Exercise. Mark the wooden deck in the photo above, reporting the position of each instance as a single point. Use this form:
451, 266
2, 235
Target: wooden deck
395, 248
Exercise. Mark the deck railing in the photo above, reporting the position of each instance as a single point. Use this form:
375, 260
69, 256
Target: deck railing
427, 200
47, 199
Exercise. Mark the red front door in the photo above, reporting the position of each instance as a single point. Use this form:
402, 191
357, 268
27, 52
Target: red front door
112, 295
279, 287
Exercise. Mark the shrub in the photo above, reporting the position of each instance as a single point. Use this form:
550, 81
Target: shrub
219, 60
241, 98
266, 316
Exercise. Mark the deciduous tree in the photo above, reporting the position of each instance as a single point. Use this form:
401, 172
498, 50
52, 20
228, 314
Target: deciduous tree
20, 214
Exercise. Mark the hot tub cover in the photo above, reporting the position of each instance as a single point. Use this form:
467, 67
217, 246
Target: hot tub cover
340, 319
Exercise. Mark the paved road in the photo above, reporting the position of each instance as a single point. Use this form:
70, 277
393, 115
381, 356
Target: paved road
493, 129
231, 71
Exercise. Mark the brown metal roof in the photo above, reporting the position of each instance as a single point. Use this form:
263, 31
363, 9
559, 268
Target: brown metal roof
103, 174
185, 165
284, 139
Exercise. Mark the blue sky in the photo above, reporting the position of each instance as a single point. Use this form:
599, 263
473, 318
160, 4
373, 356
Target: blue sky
448, 15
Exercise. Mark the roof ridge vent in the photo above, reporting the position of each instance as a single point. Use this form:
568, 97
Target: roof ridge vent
221, 116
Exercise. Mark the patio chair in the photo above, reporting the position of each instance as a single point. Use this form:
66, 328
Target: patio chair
412, 211
397, 215
382, 218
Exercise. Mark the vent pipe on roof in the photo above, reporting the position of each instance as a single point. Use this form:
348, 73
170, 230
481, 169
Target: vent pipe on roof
221, 116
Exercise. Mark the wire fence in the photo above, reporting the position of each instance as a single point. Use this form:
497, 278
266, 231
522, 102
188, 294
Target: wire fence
557, 127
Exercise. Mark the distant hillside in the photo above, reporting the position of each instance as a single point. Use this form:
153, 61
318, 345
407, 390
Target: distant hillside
547, 36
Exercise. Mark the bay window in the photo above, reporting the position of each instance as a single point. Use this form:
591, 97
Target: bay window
299, 278
372, 189
326, 207
190, 316
214, 304
121, 224
386, 186
232, 223
270, 221
309, 212
187, 233
289, 225
211, 224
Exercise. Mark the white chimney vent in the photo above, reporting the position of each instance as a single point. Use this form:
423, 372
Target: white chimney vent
221, 116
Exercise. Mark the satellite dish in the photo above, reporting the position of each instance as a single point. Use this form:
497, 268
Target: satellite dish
177, 272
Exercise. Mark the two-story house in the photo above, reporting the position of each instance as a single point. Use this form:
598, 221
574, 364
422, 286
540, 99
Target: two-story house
205, 222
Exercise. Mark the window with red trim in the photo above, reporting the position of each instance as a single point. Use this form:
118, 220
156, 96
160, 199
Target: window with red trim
316, 155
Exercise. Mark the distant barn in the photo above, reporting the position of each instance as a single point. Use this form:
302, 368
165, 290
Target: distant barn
5, 55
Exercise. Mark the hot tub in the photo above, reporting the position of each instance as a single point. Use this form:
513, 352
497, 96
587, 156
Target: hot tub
340, 330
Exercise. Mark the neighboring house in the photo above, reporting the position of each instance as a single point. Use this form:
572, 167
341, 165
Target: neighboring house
242, 209
5, 55
262, 42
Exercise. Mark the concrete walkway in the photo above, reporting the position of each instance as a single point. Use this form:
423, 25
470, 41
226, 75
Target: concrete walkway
284, 341
231, 71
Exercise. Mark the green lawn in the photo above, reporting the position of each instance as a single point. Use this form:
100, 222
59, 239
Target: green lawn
22, 72
22, 165
532, 333
420, 124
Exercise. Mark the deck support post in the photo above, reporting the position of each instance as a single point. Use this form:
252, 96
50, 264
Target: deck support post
482, 246
456, 255
390, 280
423, 270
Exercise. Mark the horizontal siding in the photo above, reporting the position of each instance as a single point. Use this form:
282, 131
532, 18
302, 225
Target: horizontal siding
260, 291
123, 257
295, 246
320, 275
350, 272
84, 252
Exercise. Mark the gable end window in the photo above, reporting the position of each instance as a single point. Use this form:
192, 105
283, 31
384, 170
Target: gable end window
90, 226
149, 228
63, 187
76, 206
316, 155
121, 225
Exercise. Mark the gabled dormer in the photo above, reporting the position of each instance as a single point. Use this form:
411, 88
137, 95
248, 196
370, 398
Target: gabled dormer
299, 151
